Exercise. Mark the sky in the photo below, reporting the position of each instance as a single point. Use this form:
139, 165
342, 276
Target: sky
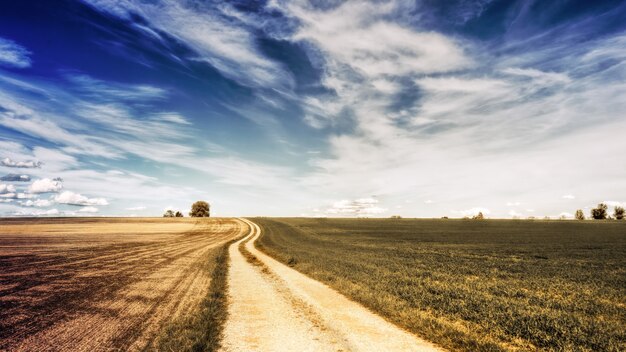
329, 108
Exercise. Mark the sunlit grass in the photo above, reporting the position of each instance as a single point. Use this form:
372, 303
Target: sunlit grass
472, 285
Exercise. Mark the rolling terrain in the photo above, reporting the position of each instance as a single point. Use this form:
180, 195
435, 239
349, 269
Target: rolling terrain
493, 285
107, 284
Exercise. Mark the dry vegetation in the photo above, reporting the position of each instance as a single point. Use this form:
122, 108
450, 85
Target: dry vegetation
114, 284
472, 285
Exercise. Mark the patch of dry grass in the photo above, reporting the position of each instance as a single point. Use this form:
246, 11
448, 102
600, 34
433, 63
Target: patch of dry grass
202, 329
491, 285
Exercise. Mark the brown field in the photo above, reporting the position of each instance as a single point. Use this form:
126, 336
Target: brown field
107, 284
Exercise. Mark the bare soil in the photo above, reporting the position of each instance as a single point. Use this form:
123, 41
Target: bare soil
102, 284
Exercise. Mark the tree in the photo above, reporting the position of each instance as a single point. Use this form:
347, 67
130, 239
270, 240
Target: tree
179, 214
579, 215
200, 209
599, 213
478, 216
168, 214
619, 213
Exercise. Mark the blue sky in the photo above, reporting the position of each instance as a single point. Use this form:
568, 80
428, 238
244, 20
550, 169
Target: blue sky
329, 108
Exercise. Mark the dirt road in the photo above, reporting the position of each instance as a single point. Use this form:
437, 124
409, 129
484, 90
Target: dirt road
275, 308
101, 285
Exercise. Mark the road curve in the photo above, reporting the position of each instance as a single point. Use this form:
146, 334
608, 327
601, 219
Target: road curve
276, 308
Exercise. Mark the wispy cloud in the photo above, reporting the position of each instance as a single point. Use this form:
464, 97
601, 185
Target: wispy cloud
218, 37
361, 207
71, 198
20, 164
15, 178
13, 54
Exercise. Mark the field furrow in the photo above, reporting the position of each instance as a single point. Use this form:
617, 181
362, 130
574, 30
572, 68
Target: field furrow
113, 296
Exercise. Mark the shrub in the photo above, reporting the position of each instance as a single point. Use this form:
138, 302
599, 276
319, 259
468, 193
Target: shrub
619, 213
478, 216
179, 214
599, 213
168, 214
579, 215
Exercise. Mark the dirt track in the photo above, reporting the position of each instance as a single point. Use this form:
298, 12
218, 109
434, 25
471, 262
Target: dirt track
275, 308
101, 284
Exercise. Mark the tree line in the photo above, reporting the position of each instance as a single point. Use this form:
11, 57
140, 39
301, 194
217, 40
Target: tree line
199, 209
601, 213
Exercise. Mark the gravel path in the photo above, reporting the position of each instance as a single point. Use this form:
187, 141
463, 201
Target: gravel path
275, 308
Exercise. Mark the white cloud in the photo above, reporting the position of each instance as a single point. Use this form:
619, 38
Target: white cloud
513, 204
8, 162
111, 91
569, 196
13, 54
88, 209
49, 212
71, 198
356, 34
173, 118
566, 215
218, 38
357, 207
5, 188
45, 185
428, 201
39, 203
141, 207
613, 203
515, 214
473, 211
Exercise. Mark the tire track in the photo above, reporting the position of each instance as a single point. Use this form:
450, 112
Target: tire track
275, 308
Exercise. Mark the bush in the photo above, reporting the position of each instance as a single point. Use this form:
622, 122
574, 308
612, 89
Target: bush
179, 214
478, 216
619, 213
200, 209
599, 213
579, 215
168, 214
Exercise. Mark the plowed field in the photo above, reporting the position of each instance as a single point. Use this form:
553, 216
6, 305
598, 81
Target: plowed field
102, 284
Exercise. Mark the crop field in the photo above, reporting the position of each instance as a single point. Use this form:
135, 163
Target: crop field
469, 285
112, 284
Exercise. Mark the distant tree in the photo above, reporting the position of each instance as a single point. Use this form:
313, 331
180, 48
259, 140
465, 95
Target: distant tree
599, 213
619, 213
396, 217
579, 215
168, 214
478, 216
200, 209
179, 214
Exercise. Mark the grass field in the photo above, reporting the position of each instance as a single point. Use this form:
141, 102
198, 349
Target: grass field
113, 284
471, 285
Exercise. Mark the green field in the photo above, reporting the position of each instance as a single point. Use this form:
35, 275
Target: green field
471, 285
